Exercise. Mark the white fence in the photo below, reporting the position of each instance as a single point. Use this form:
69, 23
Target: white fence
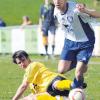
18, 38
96, 27
29, 38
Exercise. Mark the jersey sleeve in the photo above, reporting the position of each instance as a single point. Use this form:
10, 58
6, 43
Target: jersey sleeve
85, 17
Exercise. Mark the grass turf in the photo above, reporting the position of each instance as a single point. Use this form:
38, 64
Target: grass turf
11, 11
11, 76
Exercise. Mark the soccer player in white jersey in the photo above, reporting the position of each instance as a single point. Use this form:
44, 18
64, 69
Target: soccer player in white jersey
79, 37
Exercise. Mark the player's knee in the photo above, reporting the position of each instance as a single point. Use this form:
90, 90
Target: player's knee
62, 68
60, 71
55, 84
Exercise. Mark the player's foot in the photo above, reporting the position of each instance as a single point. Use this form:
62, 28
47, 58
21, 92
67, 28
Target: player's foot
52, 57
46, 57
84, 85
78, 84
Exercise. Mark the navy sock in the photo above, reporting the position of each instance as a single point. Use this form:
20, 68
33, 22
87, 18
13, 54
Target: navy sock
76, 83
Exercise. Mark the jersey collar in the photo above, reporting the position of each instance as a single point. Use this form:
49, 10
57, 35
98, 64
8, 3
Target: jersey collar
66, 9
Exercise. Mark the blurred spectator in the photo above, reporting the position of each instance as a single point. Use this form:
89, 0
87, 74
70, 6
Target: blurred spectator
26, 21
47, 24
2, 23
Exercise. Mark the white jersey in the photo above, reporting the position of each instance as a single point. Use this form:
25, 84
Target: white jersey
75, 24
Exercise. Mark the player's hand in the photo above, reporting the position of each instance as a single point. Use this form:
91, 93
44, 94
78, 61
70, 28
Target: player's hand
81, 7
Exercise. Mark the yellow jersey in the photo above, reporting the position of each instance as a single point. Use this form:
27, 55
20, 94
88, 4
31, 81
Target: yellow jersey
39, 77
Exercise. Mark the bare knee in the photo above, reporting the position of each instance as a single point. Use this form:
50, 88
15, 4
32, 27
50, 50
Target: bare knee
63, 66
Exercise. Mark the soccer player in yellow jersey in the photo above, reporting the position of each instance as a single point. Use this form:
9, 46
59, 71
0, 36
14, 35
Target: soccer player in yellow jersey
43, 83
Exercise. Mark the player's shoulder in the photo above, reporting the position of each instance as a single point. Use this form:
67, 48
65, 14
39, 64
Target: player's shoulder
35, 63
71, 5
33, 66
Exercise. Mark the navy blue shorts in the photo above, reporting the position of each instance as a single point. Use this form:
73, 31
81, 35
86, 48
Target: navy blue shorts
76, 51
47, 29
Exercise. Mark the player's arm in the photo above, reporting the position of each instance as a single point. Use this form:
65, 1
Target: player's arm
93, 13
84, 9
20, 90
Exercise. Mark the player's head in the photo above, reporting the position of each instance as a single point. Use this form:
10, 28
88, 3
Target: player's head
21, 58
60, 4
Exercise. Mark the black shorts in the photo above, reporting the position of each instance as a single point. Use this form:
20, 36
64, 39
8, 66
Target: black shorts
52, 91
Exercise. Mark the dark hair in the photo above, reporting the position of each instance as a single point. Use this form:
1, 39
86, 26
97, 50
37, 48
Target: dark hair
19, 54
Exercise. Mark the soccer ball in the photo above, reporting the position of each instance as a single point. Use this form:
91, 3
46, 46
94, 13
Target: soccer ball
77, 94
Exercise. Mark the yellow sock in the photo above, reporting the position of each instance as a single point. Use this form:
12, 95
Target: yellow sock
49, 97
63, 85
45, 40
45, 96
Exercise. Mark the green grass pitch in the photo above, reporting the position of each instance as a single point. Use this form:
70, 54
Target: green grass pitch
11, 76
12, 10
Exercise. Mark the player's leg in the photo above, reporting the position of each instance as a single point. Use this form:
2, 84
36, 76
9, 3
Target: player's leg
52, 32
47, 96
45, 43
43, 96
81, 68
62, 84
53, 43
83, 57
45, 39
67, 58
39, 96
64, 66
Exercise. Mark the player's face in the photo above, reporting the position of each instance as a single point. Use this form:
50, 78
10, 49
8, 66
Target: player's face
23, 62
59, 4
